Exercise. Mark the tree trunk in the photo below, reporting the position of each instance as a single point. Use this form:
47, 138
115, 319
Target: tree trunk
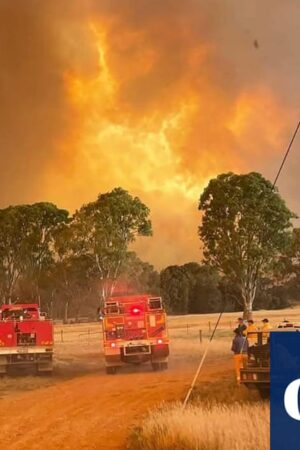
39, 297
248, 313
9, 297
248, 295
66, 312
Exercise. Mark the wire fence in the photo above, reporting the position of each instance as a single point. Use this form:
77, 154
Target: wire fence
67, 333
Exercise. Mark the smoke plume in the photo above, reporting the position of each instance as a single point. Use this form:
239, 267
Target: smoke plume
154, 96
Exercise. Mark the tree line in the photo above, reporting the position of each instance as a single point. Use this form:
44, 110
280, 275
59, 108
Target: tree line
198, 289
70, 263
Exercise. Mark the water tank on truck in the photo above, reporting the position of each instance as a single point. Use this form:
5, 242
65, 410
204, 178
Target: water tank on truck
135, 332
26, 338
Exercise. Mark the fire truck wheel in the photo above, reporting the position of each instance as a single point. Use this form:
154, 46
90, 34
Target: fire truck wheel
46, 373
44, 369
159, 366
155, 366
264, 392
111, 370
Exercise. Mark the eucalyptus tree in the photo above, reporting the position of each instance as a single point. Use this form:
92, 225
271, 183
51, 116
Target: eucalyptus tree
104, 229
245, 226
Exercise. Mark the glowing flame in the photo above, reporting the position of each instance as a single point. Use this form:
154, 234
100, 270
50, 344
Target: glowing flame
165, 153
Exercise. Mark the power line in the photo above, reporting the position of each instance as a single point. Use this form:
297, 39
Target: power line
201, 362
286, 154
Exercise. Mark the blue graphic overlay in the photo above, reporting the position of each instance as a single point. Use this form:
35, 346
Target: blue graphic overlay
285, 386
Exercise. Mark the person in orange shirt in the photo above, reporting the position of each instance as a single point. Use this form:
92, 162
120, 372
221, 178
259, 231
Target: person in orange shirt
251, 328
251, 337
240, 349
266, 327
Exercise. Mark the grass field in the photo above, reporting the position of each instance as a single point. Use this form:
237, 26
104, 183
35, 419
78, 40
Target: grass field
221, 415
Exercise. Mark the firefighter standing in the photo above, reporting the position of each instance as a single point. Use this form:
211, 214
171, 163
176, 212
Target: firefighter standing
251, 338
241, 326
266, 327
240, 350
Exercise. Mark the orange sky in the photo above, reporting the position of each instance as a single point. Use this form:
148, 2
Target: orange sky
156, 97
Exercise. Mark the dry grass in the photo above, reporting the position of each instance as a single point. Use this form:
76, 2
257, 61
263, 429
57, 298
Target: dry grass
223, 390
218, 427
222, 416
228, 320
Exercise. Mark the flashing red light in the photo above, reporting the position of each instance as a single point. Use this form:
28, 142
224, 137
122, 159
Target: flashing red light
135, 310
113, 344
159, 341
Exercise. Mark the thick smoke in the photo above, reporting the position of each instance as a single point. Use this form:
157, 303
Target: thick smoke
155, 96
40, 41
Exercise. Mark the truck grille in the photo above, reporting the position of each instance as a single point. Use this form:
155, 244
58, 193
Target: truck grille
26, 339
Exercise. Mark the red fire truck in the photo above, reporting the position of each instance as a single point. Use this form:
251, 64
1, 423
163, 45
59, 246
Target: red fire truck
26, 338
134, 332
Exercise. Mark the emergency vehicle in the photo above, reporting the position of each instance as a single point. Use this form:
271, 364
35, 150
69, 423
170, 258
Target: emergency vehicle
26, 338
135, 332
256, 370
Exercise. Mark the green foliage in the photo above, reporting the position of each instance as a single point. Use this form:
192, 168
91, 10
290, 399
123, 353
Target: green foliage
27, 233
76, 291
140, 276
286, 277
205, 296
70, 265
102, 230
245, 225
272, 296
175, 289
190, 288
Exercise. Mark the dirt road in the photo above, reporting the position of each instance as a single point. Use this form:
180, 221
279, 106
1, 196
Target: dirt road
92, 411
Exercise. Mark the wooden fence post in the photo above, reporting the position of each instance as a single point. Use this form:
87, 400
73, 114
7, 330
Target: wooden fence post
200, 336
61, 335
209, 326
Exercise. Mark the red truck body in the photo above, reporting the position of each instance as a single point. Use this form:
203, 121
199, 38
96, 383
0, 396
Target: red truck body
135, 331
26, 338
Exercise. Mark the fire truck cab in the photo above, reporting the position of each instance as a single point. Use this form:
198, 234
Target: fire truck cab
134, 332
26, 338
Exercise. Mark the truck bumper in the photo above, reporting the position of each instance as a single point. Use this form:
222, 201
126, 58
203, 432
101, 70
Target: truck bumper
39, 358
255, 377
136, 354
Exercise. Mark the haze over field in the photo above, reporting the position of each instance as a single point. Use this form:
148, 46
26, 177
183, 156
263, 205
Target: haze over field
154, 96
